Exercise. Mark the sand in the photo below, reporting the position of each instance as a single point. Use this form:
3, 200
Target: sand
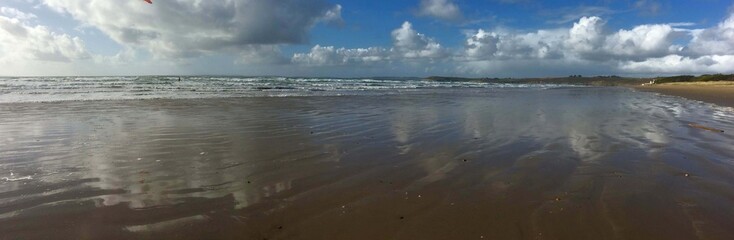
569, 163
721, 93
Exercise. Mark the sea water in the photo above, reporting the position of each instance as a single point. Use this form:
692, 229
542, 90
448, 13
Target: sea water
52, 89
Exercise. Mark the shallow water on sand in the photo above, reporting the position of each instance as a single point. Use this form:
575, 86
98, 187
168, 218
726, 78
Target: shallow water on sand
566, 163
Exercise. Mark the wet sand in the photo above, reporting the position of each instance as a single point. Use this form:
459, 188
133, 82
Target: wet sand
572, 163
718, 93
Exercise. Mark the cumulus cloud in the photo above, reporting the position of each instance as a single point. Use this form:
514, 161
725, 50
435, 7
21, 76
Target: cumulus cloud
441, 9
647, 48
586, 35
411, 44
642, 42
330, 56
408, 45
587, 39
333, 15
484, 45
715, 40
254, 31
676, 64
587, 44
21, 40
569, 14
183, 28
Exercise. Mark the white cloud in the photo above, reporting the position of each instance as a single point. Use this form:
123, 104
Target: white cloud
587, 47
571, 14
648, 48
484, 45
252, 32
333, 15
682, 24
331, 56
709, 51
15, 13
408, 45
642, 42
183, 28
19, 40
715, 40
411, 44
676, 64
588, 39
533, 67
586, 35
442, 9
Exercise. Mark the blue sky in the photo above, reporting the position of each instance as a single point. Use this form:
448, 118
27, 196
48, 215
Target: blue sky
349, 38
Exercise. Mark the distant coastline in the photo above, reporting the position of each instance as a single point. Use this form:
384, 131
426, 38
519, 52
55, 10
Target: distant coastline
712, 88
612, 80
573, 80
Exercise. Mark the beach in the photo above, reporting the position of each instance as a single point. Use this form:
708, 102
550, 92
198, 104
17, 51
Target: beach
366, 120
721, 93
494, 163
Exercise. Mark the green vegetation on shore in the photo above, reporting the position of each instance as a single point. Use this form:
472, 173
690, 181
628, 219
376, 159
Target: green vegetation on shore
689, 78
591, 81
571, 80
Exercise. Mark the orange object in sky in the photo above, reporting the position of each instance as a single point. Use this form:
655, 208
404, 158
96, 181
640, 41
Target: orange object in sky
149, 1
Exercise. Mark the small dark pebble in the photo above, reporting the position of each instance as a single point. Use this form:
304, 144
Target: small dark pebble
280, 227
401, 217
465, 160
248, 182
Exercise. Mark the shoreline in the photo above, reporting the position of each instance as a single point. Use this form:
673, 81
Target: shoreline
717, 93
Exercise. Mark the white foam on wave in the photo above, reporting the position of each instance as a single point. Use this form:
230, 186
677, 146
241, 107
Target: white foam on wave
11, 179
54, 89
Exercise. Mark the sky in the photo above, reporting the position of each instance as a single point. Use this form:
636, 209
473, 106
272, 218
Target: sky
366, 38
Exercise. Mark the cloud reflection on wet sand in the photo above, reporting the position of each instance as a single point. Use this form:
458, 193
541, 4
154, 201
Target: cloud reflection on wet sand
576, 163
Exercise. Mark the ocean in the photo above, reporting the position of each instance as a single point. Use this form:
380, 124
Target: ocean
51, 89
